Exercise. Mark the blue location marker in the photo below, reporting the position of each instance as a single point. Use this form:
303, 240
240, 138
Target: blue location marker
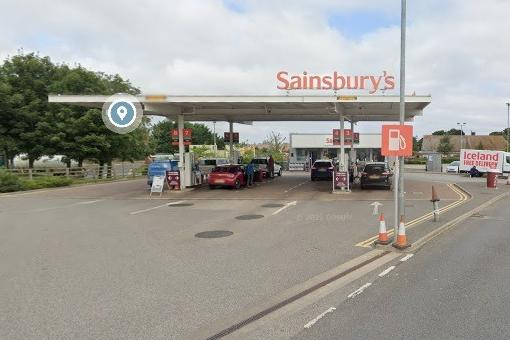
122, 113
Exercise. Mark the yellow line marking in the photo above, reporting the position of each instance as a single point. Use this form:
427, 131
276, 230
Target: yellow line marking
462, 199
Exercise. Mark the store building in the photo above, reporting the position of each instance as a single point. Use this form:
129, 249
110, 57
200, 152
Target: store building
307, 147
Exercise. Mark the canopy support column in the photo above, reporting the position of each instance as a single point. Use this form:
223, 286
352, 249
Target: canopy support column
231, 141
341, 117
180, 127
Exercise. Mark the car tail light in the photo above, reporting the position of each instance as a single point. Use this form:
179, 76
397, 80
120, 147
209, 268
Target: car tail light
363, 174
385, 173
231, 175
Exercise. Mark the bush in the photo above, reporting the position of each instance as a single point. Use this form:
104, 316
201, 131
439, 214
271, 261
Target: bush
46, 182
10, 182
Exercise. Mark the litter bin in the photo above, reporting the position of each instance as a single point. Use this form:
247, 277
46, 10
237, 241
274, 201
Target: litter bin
492, 179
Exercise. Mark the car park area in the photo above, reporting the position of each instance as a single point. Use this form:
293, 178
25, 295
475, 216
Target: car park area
104, 247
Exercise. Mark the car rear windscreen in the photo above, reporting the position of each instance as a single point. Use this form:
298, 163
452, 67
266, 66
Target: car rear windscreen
375, 169
231, 169
322, 164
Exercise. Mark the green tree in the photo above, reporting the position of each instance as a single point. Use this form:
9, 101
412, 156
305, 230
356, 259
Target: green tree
26, 79
445, 147
417, 143
276, 145
161, 141
480, 146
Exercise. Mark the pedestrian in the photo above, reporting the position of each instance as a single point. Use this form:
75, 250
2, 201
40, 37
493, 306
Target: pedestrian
473, 172
250, 171
270, 163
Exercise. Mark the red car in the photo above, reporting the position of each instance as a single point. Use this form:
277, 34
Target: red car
227, 175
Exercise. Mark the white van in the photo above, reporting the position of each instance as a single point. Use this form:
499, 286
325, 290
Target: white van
484, 160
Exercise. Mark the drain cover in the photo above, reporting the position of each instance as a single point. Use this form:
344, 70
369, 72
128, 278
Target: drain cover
249, 217
181, 205
214, 234
273, 205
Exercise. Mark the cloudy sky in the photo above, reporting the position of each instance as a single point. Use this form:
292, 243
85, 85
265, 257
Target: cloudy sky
458, 50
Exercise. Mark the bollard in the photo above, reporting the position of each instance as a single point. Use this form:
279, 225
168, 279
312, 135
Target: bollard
435, 204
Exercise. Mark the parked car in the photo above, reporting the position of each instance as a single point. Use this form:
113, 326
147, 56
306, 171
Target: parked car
159, 167
453, 167
230, 175
208, 164
261, 164
376, 174
322, 169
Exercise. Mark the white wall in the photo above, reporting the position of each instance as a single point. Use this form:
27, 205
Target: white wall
305, 141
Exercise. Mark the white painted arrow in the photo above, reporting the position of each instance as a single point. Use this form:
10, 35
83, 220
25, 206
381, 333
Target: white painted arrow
285, 207
376, 208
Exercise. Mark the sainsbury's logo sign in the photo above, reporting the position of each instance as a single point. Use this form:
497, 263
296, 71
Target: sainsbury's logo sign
335, 81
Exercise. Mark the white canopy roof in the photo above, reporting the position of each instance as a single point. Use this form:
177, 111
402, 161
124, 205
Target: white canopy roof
267, 108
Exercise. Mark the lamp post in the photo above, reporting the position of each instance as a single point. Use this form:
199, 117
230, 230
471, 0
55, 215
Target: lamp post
461, 133
508, 128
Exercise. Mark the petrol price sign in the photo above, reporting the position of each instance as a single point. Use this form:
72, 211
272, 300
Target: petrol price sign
397, 140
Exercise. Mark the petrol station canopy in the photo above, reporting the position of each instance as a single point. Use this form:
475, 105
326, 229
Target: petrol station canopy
241, 109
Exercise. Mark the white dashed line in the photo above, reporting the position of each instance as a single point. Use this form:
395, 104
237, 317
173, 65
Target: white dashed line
154, 208
295, 187
407, 257
359, 290
386, 271
320, 316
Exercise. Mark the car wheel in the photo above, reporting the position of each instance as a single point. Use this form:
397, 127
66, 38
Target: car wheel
237, 184
362, 187
212, 187
313, 179
280, 173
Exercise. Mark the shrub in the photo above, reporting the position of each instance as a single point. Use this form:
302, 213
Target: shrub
47, 182
10, 182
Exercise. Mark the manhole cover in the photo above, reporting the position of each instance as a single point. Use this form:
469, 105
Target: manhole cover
214, 234
249, 217
273, 205
180, 205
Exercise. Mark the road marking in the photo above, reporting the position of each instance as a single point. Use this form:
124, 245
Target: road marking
407, 257
359, 290
284, 207
320, 316
89, 202
386, 271
462, 199
154, 208
295, 186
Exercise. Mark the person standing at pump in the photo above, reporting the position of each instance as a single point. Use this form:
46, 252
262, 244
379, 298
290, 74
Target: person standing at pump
270, 166
250, 171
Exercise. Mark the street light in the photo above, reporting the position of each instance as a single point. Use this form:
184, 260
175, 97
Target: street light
508, 128
461, 133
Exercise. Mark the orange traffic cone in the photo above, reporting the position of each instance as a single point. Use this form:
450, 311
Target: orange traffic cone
383, 234
401, 237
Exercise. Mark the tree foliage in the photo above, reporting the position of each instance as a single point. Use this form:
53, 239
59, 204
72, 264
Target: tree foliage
161, 141
445, 147
31, 125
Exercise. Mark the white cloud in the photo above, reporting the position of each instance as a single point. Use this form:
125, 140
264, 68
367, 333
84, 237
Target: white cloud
457, 50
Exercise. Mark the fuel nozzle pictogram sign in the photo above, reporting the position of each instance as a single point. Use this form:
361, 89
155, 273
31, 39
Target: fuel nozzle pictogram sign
397, 140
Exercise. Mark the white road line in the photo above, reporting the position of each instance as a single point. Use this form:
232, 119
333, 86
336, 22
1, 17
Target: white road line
284, 207
407, 257
89, 202
359, 290
386, 271
295, 186
320, 316
154, 208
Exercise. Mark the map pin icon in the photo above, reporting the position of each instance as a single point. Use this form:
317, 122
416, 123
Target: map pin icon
122, 112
